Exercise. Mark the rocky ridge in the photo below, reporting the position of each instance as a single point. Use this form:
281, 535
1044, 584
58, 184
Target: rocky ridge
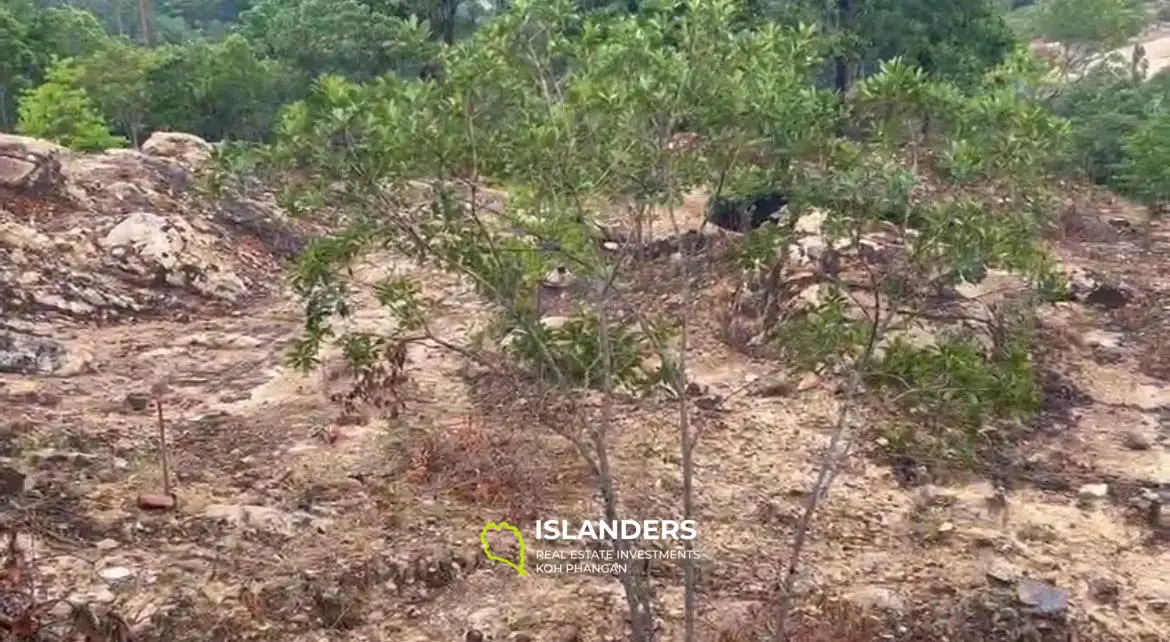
121, 236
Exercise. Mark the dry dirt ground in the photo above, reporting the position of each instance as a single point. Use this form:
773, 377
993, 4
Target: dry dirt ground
295, 525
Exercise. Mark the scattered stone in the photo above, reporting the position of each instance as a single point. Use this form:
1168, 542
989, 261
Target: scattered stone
50, 455
773, 386
156, 501
488, 622
21, 354
12, 482
260, 517
877, 598
108, 544
26, 161
808, 382
137, 401
559, 278
1044, 599
115, 574
1091, 492
1003, 572
1135, 439
1104, 589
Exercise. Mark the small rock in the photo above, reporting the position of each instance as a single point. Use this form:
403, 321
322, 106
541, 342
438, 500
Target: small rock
473, 636
1045, 599
808, 382
1104, 589
103, 596
1102, 339
1134, 439
115, 574
1090, 492
107, 544
12, 482
558, 278
1002, 571
877, 598
156, 501
137, 401
487, 622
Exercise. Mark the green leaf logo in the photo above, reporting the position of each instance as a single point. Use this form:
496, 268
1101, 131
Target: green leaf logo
494, 527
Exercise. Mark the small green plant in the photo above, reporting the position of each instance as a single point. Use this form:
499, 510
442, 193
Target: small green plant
954, 389
575, 351
59, 111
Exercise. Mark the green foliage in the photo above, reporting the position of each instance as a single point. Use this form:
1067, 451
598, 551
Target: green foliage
16, 55
575, 350
1146, 168
955, 388
958, 43
116, 78
1091, 25
329, 36
541, 99
68, 32
223, 90
59, 111
574, 111
993, 136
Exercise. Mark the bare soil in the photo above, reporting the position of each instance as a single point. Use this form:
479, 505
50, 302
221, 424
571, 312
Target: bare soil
296, 523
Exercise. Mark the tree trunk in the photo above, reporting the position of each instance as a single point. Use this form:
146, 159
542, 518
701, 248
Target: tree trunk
445, 20
842, 75
116, 5
146, 22
4, 125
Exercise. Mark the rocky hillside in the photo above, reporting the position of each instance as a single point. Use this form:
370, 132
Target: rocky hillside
297, 521
119, 237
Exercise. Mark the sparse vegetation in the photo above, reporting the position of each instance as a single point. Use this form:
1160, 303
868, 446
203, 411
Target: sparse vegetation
575, 311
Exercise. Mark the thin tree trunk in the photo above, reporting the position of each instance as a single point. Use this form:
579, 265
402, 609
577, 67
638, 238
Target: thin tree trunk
145, 22
635, 582
445, 21
842, 79
4, 125
117, 6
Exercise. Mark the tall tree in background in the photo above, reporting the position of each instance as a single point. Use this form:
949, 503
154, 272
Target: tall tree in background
146, 22
16, 55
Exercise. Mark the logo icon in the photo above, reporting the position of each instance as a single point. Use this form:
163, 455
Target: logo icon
503, 526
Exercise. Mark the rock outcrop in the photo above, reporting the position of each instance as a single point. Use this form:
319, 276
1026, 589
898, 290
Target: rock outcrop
121, 235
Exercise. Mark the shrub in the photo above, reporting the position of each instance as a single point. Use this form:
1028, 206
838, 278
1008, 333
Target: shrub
59, 111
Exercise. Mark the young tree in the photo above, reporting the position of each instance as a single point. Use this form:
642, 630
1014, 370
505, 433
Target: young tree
59, 111
577, 114
1145, 171
116, 79
329, 36
68, 32
220, 90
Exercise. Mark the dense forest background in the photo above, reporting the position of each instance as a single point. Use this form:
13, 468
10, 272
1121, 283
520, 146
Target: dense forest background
93, 74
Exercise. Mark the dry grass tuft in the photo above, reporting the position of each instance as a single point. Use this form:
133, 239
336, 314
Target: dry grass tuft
496, 466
